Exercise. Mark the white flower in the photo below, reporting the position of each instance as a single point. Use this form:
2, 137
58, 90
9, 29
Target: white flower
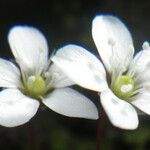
126, 81
34, 79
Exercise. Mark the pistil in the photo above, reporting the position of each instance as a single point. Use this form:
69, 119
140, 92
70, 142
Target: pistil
35, 86
123, 86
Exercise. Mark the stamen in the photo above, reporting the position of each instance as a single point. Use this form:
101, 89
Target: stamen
52, 80
145, 45
47, 75
31, 79
115, 56
131, 73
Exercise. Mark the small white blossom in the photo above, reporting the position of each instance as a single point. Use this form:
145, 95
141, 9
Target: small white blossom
34, 79
126, 81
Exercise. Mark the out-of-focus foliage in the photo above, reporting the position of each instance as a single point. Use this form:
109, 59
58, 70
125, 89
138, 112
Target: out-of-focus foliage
50, 131
139, 139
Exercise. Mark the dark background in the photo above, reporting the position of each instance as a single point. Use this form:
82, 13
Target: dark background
63, 22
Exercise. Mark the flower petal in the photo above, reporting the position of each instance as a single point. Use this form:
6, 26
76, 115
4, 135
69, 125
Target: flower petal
81, 66
15, 108
70, 103
141, 67
120, 113
142, 101
113, 41
9, 74
57, 78
29, 47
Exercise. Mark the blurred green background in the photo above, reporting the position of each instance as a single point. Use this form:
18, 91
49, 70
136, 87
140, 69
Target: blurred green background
63, 22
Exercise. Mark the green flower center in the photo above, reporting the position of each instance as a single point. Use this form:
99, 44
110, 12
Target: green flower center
123, 86
35, 86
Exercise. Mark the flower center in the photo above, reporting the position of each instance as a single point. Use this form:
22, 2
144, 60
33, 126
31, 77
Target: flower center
35, 86
123, 86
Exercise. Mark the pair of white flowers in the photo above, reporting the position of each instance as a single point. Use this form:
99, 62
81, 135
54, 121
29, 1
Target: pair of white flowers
121, 80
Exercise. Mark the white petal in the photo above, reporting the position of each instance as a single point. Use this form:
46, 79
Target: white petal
113, 41
120, 113
142, 101
15, 108
141, 65
57, 78
81, 66
9, 74
29, 47
70, 103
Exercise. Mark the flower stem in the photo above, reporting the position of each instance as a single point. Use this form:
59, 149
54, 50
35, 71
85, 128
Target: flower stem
99, 131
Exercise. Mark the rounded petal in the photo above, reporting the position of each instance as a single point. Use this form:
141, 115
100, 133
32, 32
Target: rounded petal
113, 41
81, 66
70, 103
120, 113
15, 108
29, 47
9, 74
57, 78
142, 101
